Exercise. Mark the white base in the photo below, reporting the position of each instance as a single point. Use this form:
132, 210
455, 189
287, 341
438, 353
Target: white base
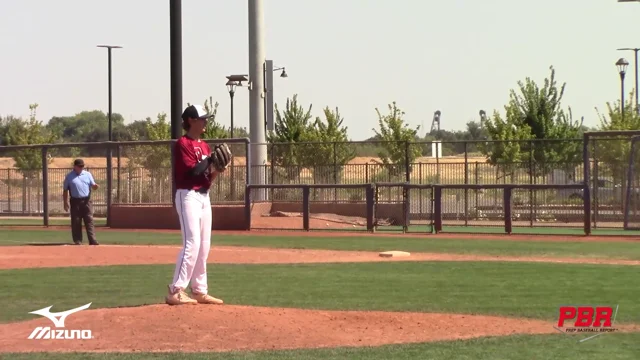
394, 254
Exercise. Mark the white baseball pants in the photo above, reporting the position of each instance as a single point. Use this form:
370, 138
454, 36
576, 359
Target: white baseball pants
194, 211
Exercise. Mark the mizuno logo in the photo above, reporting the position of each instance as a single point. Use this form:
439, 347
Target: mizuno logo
58, 319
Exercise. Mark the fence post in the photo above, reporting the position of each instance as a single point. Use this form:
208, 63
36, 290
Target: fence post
508, 225
9, 190
247, 205
109, 183
406, 207
476, 181
305, 207
335, 172
45, 186
437, 207
466, 182
370, 207
531, 181
595, 186
271, 169
248, 162
587, 189
24, 192
118, 174
407, 165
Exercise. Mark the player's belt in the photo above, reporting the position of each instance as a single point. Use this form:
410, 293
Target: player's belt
202, 190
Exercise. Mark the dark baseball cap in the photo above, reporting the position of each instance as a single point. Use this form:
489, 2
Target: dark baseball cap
78, 162
195, 112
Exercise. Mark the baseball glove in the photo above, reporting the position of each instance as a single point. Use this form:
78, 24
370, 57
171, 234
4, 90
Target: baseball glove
221, 157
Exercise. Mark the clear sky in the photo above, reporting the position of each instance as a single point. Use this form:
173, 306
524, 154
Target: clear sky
457, 56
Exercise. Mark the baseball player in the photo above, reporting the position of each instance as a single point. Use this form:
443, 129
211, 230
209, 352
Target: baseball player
195, 168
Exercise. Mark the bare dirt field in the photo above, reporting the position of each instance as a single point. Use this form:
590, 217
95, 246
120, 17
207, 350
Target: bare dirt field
21, 257
226, 328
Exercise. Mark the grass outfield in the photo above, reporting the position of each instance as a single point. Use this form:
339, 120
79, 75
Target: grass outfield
592, 249
610, 347
533, 290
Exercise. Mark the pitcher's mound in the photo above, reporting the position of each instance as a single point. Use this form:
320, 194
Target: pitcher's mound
225, 328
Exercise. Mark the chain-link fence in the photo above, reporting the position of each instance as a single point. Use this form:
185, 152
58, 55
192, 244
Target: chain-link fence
609, 157
141, 173
456, 162
632, 204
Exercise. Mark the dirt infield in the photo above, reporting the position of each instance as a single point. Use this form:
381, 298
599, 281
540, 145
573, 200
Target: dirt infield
225, 328
20, 257
162, 328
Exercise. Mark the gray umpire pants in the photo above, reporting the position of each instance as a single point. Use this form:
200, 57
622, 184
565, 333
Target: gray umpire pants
82, 209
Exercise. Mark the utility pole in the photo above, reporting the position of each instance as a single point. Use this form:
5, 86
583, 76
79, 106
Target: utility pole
256, 93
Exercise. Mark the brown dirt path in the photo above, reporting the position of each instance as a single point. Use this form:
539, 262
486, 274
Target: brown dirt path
226, 328
20, 257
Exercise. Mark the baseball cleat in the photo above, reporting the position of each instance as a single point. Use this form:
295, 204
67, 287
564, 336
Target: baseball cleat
179, 298
206, 299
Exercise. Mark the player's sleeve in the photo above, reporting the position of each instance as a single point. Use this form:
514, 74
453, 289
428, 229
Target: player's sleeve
187, 156
91, 180
65, 184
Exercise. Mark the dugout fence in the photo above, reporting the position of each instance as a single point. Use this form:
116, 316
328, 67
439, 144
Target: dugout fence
419, 208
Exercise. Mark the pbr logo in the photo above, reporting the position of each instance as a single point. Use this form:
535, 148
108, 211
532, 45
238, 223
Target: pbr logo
58, 319
583, 319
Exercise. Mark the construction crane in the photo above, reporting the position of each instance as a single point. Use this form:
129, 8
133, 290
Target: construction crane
436, 121
483, 118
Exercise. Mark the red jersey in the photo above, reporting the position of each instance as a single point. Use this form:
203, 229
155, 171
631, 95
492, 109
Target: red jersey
188, 153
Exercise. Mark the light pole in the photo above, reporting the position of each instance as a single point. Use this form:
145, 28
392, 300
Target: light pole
635, 50
234, 81
283, 74
231, 86
267, 74
622, 65
109, 47
109, 165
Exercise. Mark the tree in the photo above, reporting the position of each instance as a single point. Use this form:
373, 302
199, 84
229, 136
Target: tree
29, 132
538, 111
153, 161
88, 126
612, 154
292, 126
505, 150
397, 140
329, 151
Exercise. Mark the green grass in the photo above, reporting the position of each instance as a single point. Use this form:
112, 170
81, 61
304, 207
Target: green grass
610, 347
610, 250
508, 289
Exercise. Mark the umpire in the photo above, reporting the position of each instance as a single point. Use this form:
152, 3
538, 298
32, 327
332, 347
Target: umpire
79, 184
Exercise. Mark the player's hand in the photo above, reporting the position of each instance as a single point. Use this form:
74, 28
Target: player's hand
66, 207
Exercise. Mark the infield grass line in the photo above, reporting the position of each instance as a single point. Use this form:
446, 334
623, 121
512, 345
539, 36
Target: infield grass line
533, 290
610, 347
601, 250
